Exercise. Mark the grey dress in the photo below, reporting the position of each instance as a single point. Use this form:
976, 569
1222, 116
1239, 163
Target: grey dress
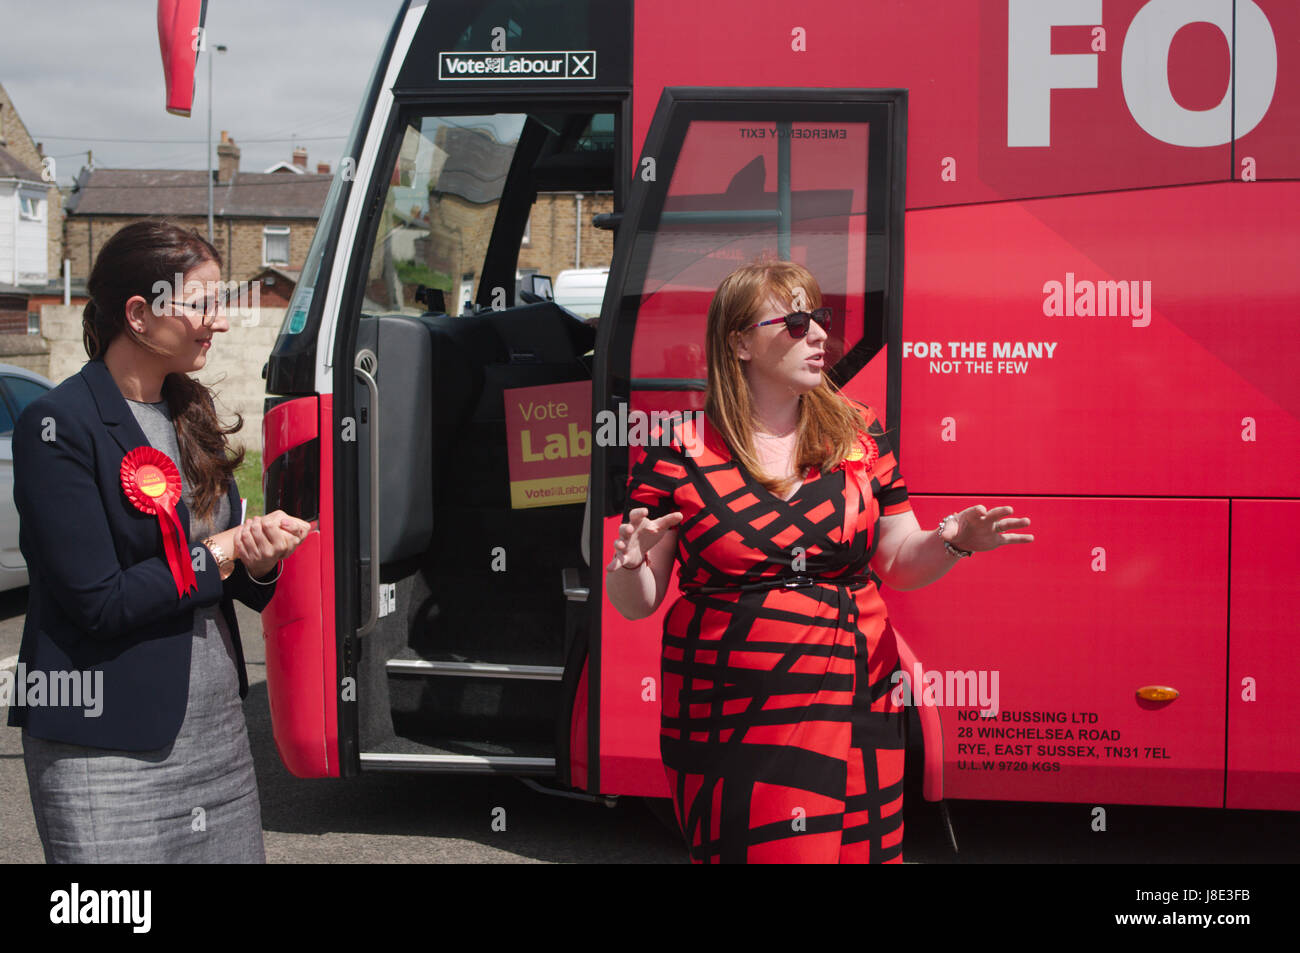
194, 801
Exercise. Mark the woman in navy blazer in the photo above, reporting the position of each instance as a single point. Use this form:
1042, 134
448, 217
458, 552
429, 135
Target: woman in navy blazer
104, 597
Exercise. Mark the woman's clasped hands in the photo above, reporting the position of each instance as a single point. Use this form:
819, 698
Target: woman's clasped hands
262, 541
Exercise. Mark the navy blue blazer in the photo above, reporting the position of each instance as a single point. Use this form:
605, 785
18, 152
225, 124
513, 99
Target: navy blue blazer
102, 597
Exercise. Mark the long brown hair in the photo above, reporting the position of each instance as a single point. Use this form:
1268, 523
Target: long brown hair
828, 422
131, 263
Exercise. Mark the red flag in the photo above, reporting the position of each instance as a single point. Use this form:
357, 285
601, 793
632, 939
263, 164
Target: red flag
180, 23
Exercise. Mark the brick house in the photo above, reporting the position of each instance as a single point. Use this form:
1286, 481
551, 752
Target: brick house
551, 239
261, 220
31, 216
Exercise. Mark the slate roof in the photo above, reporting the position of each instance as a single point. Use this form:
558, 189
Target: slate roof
476, 165
261, 195
11, 168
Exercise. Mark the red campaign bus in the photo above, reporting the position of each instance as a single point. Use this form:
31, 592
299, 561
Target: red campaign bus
1063, 239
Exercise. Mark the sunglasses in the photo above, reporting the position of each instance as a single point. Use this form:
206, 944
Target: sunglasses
797, 322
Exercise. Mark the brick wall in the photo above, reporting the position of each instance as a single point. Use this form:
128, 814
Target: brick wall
551, 235
458, 238
28, 351
460, 231
233, 370
13, 314
239, 241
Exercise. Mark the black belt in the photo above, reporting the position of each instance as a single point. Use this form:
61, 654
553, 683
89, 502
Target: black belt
781, 582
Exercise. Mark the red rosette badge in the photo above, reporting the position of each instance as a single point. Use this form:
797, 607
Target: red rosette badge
857, 467
153, 485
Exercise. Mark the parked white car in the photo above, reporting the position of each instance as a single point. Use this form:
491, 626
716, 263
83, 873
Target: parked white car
18, 388
581, 290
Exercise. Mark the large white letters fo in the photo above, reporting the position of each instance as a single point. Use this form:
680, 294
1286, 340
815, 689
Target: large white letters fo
1145, 71
1032, 69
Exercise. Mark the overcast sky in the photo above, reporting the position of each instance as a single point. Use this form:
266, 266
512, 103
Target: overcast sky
84, 73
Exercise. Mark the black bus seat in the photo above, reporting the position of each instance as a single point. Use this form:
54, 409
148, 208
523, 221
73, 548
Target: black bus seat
445, 499
441, 406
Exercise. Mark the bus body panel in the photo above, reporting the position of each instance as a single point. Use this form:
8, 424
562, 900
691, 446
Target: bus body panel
985, 72
300, 663
1264, 655
1195, 375
629, 692
578, 726
1268, 151
1113, 595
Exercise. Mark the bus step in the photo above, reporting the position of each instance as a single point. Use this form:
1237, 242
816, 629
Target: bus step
461, 756
457, 763
541, 673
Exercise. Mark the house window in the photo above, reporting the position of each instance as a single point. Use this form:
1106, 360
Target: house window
275, 245
528, 229
466, 294
33, 322
30, 208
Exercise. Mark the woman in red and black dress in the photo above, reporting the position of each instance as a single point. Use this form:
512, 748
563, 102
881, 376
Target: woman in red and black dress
786, 510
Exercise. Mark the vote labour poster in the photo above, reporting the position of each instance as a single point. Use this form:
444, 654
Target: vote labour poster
548, 429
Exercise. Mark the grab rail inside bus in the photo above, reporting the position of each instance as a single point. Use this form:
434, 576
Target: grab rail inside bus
367, 359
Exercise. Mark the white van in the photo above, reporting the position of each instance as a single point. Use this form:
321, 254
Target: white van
581, 290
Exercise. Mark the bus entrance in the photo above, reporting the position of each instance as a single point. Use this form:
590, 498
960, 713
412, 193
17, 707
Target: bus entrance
463, 667
428, 626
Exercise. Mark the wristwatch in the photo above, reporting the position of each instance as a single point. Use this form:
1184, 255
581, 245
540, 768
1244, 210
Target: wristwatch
225, 565
952, 550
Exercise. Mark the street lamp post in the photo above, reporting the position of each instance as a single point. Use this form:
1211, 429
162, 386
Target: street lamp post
219, 49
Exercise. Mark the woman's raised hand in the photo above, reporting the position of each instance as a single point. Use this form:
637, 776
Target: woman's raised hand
262, 541
637, 537
980, 530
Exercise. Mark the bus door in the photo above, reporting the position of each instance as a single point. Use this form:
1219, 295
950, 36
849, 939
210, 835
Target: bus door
442, 370
726, 176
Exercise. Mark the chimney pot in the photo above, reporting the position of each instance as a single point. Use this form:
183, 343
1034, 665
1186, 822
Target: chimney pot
227, 158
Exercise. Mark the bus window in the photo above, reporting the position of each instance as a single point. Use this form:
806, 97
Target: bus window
559, 239
741, 189
439, 210
443, 210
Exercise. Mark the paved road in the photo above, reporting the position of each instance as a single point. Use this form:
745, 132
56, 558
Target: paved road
424, 818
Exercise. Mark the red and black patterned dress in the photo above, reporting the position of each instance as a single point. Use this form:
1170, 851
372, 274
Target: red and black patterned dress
778, 731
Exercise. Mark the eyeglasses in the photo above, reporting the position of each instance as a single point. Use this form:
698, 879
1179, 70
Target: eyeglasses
206, 308
797, 322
